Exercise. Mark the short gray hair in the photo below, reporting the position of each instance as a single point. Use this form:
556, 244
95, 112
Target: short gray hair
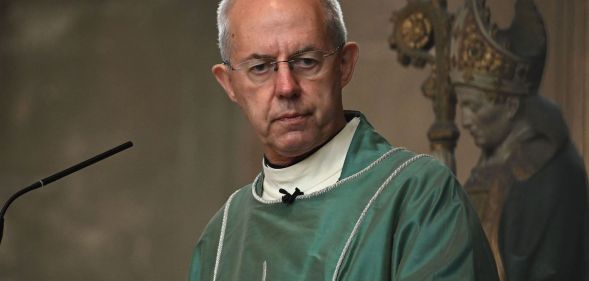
336, 27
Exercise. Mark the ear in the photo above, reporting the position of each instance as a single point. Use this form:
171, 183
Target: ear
350, 53
513, 104
221, 73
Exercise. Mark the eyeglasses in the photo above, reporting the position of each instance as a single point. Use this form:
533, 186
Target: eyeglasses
308, 65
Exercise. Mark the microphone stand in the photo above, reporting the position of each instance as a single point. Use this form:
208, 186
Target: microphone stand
57, 176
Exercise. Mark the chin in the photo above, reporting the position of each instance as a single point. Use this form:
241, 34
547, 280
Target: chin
294, 147
295, 150
487, 146
480, 144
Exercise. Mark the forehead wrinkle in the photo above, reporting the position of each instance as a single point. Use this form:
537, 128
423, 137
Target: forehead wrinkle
274, 18
310, 47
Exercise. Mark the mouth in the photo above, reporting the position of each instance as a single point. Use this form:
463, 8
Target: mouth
291, 117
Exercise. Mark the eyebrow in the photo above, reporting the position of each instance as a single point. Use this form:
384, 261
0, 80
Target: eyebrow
296, 53
303, 50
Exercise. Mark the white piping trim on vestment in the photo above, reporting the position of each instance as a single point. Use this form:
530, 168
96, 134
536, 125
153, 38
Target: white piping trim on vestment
338, 183
222, 235
264, 268
363, 214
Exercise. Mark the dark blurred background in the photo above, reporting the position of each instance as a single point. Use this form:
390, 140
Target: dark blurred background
79, 77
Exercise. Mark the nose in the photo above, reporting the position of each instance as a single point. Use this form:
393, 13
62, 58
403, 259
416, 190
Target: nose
286, 83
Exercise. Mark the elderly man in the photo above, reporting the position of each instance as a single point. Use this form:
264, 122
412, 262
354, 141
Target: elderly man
529, 186
334, 200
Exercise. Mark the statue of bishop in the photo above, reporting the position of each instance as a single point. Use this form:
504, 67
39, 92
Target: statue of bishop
529, 186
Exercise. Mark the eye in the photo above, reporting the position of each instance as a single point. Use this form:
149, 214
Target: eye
259, 67
474, 108
305, 62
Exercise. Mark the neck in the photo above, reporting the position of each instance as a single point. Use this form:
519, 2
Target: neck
289, 161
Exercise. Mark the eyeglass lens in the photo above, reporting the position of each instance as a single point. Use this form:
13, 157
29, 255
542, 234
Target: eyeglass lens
306, 65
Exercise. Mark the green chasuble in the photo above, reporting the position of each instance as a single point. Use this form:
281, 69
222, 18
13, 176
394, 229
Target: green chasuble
393, 215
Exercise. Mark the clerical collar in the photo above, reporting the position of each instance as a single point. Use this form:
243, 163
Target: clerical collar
321, 169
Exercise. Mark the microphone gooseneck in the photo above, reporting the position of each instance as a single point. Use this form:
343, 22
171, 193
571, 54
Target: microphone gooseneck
288, 198
57, 176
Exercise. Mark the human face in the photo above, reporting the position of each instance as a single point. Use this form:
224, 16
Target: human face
488, 122
291, 115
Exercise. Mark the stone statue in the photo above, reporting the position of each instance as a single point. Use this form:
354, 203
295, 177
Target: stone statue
529, 186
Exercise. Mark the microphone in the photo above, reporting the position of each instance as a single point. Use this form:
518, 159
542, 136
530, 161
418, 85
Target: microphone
290, 198
57, 176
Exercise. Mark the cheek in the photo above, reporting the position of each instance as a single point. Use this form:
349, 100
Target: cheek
322, 94
256, 112
487, 116
466, 116
496, 125
255, 107
502, 125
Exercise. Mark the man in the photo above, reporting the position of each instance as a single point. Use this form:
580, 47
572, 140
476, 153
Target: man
334, 201
529, 185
